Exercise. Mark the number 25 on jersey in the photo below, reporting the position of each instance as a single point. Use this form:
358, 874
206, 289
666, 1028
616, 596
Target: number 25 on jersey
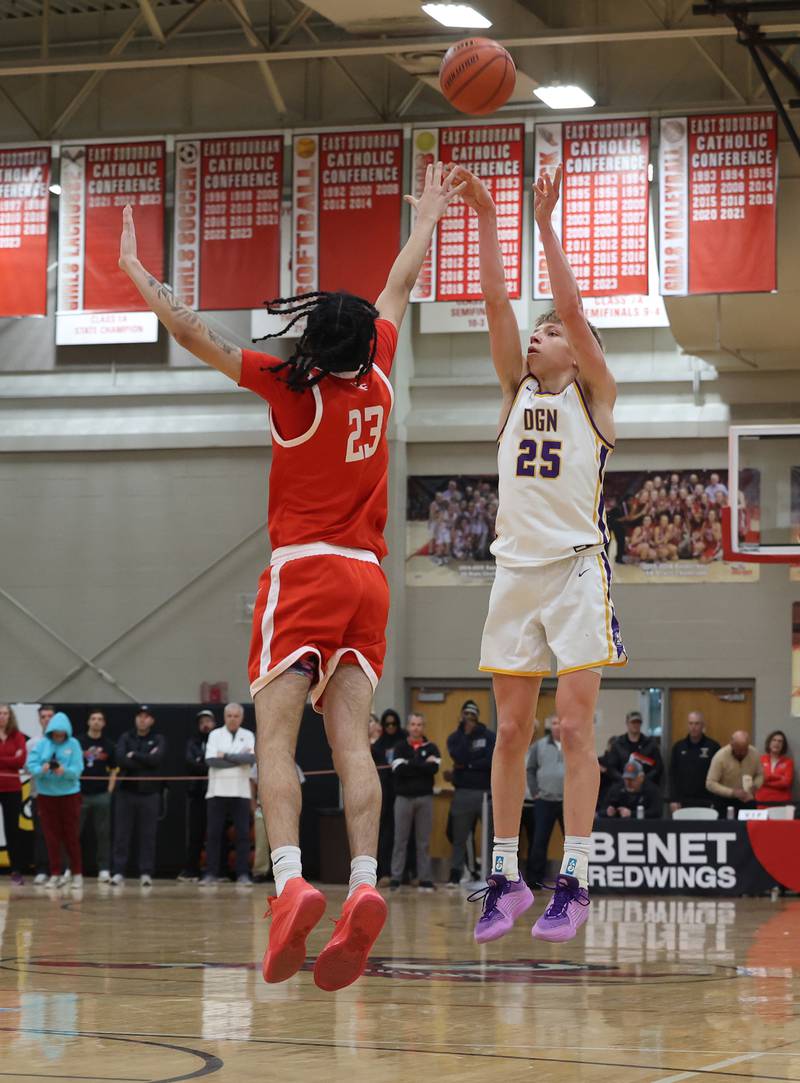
366, 427
546, 457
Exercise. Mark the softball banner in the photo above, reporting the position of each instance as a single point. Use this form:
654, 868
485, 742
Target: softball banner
602, 216
227, 234
495, 153
718, 185
24, 208
96, 301
347, 198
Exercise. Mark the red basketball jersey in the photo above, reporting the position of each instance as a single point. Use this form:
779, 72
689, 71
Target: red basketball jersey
330, 458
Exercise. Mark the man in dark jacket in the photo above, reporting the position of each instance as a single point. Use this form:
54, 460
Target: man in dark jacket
634, 790
96, 788
637, 746
689, 764
471, 747
382, 753
196, 796
416, 760
139, 757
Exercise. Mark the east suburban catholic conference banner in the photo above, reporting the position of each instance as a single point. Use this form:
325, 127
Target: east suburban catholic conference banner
227, 232
496, 153
602, 217
24, 211
96, 300
718, 184
347, 198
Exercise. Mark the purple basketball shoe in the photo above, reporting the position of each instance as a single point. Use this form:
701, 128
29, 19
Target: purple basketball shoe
503, 902
567, 911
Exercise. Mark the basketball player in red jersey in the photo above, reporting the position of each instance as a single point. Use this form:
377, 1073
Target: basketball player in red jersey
323, 602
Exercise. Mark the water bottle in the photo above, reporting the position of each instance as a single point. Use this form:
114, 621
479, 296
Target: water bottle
731, 812
640, 812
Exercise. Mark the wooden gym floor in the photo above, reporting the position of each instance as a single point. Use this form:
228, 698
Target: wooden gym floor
165, 985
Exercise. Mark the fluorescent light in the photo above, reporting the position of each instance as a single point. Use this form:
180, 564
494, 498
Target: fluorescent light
564, 97
55, 189
459, 15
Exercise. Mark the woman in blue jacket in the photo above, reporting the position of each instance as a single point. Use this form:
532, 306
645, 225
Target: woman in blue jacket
56, 763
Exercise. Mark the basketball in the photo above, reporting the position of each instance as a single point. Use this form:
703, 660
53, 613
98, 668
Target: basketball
477, 76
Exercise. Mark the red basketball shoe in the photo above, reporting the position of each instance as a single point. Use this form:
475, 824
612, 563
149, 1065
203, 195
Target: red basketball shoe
294, 914
344, 957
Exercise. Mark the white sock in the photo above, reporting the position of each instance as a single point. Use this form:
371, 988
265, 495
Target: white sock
286, 865
576, 858
504, 857
363, 870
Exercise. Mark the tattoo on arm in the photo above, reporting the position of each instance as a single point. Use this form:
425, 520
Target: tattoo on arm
187, 315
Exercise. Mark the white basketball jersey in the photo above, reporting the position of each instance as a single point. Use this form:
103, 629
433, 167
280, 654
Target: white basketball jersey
551, 460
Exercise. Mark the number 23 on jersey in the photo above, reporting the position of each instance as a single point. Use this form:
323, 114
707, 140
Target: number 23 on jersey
364, 436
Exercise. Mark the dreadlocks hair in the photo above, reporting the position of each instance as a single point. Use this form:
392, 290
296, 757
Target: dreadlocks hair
553, 317
339, 336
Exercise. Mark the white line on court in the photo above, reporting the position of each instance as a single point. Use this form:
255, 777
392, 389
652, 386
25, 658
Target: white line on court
691, 1073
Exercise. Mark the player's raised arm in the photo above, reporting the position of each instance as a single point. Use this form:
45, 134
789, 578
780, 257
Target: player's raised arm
594, 373
438, 192
184, 324
504, 339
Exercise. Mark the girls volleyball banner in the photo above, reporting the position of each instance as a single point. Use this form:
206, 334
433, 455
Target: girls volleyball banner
664, 527
347, 197
719, 185
451, 271
227, 232
96, 301
602, 216
24, 208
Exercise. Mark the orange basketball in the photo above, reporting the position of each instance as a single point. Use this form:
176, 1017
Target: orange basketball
477, 76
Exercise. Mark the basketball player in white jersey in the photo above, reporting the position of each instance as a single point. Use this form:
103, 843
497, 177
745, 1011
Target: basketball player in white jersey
551, 592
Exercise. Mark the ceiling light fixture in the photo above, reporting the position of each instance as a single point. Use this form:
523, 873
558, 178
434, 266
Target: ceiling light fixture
461, 16
564, 97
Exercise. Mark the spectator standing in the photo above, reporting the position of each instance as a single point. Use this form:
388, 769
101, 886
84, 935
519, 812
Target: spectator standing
546, 784
607, 778
98, 785
13, 754
778, 768
634, 791
735, 773
689, 764
195, 759
56, 763
140, 753
415, 763
392, 734
230, 754
471, 747
40, 860
633, 744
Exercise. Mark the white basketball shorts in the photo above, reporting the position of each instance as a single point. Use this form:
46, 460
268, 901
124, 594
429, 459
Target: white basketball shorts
564, 607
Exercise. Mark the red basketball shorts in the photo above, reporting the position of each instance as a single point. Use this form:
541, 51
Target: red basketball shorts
319, 600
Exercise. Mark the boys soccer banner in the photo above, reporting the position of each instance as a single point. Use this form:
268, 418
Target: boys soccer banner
451, 271
602, 216
227, 236
347, 197
96, 301
719, 182
24, 208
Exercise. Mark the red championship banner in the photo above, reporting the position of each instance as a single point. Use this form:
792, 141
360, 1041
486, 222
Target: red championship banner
495, 153
97, 181
347, 197
603, 220
24, 207
227, 236
719, 184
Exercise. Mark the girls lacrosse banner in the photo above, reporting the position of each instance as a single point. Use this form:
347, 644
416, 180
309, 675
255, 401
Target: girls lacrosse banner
96, 301
24, 207
602, 216
495, 153
719, 184
227, 234
347, 197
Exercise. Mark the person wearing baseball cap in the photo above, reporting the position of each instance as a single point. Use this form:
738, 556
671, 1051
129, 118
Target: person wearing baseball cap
635, 790
195, 759
633, 744
471, 747
140, 754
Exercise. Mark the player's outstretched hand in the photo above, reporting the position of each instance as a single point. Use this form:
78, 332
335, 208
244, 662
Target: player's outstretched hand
475, 194
438, 193
545, 196
127, 241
